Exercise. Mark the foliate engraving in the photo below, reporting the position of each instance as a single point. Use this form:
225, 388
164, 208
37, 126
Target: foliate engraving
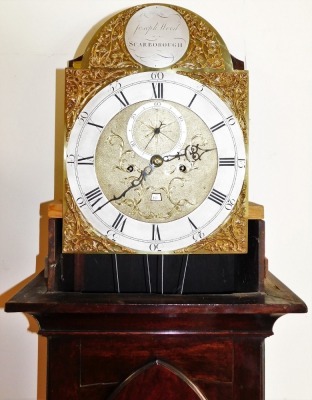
78, 236
180, 179
206, 49
107, 48
82, 85
231, 237
232, 88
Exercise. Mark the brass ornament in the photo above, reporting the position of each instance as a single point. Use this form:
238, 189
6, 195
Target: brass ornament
207, 49
81, 85
232, 88
231, 237
79, 237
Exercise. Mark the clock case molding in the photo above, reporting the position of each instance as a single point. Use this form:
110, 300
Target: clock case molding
206, 60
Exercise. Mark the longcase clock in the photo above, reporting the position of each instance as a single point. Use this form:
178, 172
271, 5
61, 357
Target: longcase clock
156, 283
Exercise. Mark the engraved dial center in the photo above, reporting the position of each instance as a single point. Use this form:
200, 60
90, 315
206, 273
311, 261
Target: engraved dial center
156, 161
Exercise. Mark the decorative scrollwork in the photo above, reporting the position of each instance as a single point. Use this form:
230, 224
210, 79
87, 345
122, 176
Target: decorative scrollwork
106, 60
79, 236
206, 49
232, 88
82, 85
231, 237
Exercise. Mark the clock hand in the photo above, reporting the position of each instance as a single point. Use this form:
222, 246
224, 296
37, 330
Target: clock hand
135, 183
157, 131
191, 152
150, 140
163, 134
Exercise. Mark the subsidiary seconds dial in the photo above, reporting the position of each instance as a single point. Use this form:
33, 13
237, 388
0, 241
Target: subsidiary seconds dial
156, 128
156, 162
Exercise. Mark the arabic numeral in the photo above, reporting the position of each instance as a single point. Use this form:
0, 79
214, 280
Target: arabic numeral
83, 116
155, 247
229, 204
115, 86
198, 236
231, 120
70, 159
241, 162
157, 75
80, 202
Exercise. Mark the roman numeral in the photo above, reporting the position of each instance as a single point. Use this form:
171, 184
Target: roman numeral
122, 99
86, 160
96, 125
119, 222
217, 126
217, 197
158, 89
193, 98
227, 162
221, 124
193, 226
94, 196
155, 233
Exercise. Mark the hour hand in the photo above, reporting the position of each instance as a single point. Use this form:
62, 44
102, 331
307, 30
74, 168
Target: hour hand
191, 152
134, 183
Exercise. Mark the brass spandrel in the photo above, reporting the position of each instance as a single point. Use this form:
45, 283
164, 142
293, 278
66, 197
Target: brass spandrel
79, 237
232, 237
232, 88
81, 85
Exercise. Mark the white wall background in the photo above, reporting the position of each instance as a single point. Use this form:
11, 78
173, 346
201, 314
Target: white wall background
274, 37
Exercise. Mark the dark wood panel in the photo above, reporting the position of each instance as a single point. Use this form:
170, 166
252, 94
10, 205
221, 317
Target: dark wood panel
249, 369
155, 381
168, 274
63, 369
212, 391
113, 358
119, 324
